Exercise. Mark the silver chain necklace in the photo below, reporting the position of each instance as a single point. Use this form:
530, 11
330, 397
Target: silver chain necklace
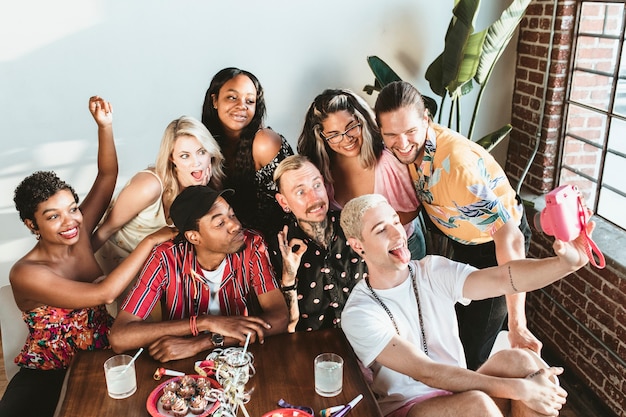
419, 308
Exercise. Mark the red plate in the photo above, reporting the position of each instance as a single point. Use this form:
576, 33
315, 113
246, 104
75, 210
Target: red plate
156, 410
287, 412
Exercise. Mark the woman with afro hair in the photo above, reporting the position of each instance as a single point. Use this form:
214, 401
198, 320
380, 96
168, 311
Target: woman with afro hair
58, 284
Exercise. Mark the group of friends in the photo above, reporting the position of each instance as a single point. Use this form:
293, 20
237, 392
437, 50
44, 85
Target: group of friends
231, 235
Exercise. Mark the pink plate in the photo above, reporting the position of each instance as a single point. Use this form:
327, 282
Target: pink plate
287, 412
156, 410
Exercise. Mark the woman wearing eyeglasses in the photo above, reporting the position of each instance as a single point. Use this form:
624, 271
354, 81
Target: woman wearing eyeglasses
341, 138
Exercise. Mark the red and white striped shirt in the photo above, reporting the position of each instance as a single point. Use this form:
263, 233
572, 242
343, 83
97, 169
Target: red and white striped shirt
172, 271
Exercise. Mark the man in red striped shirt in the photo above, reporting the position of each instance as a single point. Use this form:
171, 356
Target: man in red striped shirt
214, 281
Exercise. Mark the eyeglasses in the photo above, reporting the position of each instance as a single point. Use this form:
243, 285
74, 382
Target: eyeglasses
350, 132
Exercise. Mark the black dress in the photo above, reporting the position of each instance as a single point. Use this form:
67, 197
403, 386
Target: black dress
254, 201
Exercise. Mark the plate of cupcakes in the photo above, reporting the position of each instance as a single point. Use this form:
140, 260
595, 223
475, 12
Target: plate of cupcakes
184, 396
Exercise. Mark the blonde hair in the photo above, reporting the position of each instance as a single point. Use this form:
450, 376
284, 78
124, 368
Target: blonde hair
291, 163
352, 213
164, 167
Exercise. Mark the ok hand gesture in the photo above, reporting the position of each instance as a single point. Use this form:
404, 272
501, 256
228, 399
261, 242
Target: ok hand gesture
291, 251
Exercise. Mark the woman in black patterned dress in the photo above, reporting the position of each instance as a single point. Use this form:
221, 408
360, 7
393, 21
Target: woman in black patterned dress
233, 111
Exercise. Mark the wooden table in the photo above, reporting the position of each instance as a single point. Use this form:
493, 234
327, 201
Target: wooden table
284, 369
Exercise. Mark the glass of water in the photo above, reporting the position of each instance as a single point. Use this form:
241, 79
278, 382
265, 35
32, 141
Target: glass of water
120, 378
328, 374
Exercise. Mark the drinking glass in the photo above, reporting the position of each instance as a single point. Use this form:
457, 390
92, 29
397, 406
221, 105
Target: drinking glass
121, 382
328, 374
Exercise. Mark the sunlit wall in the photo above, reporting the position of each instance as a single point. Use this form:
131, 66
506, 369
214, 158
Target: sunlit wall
154, 59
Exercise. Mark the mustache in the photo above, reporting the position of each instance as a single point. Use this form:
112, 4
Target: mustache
315, 206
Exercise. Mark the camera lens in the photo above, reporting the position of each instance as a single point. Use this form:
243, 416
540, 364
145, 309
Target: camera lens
537, 222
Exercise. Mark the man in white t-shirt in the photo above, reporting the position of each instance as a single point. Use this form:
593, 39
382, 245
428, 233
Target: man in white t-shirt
401, 322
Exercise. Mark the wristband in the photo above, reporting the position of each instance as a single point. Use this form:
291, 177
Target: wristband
289, 287
193, 325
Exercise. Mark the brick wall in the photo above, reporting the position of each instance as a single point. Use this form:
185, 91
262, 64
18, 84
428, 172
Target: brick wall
583, 317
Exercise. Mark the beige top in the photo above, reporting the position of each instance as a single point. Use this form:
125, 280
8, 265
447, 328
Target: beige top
125, 240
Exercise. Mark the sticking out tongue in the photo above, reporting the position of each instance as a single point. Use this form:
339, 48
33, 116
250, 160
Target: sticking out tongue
402, 253
197, 174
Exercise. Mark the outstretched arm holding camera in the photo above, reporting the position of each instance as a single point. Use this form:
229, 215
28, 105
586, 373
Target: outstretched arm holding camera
529, 274
421, 356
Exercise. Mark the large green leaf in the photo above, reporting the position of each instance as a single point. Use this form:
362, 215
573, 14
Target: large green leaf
457, 64
434, 76
468, 65
498, 36
491, 140
385, 75
383, 72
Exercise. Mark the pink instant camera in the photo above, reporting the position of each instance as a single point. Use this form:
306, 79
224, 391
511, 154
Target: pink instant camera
565, 215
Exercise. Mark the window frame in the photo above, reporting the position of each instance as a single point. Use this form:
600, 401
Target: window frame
608, 114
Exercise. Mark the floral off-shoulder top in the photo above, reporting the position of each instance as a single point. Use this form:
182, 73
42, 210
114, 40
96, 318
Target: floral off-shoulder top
56, 334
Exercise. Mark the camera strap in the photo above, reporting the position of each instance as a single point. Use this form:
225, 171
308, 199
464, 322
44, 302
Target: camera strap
591, 249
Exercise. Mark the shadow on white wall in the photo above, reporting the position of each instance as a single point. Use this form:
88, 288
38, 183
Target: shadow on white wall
154, 60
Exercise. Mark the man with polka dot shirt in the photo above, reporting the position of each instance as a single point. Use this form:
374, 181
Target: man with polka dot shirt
311, 255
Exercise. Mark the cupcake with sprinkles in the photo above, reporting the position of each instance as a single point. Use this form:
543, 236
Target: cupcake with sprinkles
171, 386
197, 404
167, 399
180, 407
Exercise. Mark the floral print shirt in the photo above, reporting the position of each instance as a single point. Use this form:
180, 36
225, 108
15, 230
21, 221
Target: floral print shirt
56, 334
463, 188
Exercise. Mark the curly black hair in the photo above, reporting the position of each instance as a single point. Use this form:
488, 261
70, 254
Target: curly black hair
37, 188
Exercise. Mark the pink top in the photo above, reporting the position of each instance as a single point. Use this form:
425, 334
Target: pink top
393, 181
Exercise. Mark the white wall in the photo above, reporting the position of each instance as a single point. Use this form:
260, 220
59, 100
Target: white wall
154, 60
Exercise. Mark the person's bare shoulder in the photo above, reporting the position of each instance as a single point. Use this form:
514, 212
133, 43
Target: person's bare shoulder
265, 147
143, 189
27, 273
147, 182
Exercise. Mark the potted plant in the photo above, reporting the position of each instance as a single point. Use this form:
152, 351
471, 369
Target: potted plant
468, 58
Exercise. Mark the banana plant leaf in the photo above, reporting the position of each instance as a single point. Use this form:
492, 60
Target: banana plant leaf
499, 35
452, 71
492, 140
383, 72
384, 75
